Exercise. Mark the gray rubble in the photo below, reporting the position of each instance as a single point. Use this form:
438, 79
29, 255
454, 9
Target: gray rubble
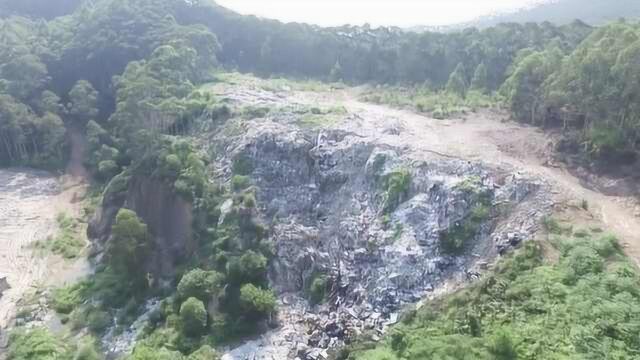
322, 192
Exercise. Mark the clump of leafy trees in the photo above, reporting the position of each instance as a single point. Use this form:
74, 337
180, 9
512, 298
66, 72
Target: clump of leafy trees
591, 89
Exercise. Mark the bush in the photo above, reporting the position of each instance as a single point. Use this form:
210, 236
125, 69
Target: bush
193, 317
87, 351
256, 301
552, 226
199, 284
144, 352
242, 165
67, 241
318, 289
396, 185
606, 141
251, 267
108, 169
502, 347
582, 261
205, 352
240, 182
98, 321
67, 299
607, 246
35, 344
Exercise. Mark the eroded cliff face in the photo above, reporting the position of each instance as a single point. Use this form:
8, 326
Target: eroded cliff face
167, 215
376, 246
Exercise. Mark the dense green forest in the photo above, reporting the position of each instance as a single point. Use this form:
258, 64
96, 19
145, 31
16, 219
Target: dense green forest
572, 75
125, 74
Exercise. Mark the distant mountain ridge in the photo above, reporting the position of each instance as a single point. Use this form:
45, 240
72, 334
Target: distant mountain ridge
559, 12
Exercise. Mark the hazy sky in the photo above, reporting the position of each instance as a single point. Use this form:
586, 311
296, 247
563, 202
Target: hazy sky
375, 12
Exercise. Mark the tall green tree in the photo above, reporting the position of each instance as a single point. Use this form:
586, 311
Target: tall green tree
457, 83
480, 81
128, 249
83, 102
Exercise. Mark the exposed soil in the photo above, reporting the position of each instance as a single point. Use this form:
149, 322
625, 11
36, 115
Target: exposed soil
30, 201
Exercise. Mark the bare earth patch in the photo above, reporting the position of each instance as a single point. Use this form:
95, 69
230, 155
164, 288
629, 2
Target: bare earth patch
30, 200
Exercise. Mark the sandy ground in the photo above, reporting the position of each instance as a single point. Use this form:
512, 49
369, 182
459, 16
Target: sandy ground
29, 203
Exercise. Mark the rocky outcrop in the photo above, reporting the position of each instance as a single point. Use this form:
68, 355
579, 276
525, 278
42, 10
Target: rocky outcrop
167, 215
327, 196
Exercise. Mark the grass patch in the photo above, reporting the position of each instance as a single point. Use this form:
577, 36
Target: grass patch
438, 104
585, 306
68, 242
316, 117
40, 344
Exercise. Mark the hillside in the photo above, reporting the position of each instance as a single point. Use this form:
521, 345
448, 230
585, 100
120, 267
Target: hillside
255, 189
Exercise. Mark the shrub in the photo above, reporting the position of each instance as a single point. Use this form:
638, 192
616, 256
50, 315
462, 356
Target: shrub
605, 141
253, 112
171, 166
249, 201
318, 289
98, 321
581, 261
251, 267
107, 169
502, 346
256, 301
67, 241
205, 352
199, 284
607, 246
144, 352
552, 225
242, 165
67, 299
396, 185
584, 204
240, 182
87, 351
193, 317
35, 344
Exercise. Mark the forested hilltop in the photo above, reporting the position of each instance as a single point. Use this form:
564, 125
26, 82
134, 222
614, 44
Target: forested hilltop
547, 74
131, 78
